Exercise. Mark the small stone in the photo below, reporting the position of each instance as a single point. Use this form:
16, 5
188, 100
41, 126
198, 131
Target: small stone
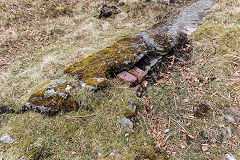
128, 78
6, 109
107, 11
229, 118
200, 109
60, 81
68, 88
133, 108
166, 130
5, 138
63, 95
227, 132
229, 157
126, 122
49, 92
140, 74
204, 147
114, 154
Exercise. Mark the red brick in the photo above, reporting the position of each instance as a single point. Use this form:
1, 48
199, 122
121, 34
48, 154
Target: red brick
128, 78
140, 74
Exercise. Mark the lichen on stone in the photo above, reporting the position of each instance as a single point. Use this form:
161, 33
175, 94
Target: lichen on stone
50, 99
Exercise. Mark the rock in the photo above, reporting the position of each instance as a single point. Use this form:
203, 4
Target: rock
229, 118
127, 78
50, 99
38, 109
114, 154
138, 73
5, 138
200, 109
227, 132
229, 157
107, 11
126, 122
130, 111
6, 109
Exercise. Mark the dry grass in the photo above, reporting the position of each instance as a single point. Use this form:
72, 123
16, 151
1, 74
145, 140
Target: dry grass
213, 78
38, 39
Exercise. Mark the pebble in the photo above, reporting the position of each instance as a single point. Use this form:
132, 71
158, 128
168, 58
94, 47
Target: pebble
229, 118
229, 157
126, 122
6, 139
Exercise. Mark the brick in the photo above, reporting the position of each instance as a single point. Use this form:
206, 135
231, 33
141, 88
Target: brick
140, 74
127, 78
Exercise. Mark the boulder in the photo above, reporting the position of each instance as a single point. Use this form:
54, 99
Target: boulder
52, 98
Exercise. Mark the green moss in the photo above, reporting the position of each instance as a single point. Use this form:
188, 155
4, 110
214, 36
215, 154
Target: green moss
55, 101
113, 58
149, 153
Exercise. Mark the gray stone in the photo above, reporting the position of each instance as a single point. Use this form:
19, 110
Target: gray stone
49, 92
83, 84
229, 157
126, 122
60, 81
68, 88
63, 95
5, 138
38, 109
229, 118
132, 107
227, 132
114, 154
6, 109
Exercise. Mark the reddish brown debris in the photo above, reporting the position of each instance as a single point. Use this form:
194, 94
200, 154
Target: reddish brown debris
128, 78
140, 74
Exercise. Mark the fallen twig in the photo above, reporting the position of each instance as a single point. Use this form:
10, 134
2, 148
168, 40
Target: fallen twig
179, 125
91, 115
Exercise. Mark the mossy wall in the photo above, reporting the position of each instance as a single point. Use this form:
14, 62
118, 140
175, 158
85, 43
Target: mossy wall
121, 55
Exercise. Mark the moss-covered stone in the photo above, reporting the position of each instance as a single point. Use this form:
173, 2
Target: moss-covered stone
115, 58
121, 55
52, 98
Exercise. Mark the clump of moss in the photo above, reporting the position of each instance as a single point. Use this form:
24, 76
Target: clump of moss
115, 58
36, 153
149, 153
